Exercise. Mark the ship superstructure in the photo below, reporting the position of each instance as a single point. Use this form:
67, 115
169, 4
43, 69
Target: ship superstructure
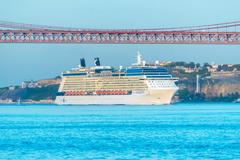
141, 83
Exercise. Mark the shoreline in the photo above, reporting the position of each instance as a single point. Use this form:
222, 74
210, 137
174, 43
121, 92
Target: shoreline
175, 103
47, 102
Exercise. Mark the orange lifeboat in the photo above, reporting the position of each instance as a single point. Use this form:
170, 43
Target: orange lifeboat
121, 92
103, 92
99, 92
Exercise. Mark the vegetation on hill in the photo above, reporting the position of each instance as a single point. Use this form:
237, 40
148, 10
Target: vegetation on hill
42, 93
36, 94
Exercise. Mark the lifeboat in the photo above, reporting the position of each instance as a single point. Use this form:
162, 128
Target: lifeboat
117, 92
103, 92
69, 93
121, 92
99, 92
74, 93
114, 92
108, 92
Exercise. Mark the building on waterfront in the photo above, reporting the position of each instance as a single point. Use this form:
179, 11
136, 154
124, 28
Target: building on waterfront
29, 84
11, 88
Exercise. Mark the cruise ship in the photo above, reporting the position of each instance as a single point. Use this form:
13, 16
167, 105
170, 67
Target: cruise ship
139, 84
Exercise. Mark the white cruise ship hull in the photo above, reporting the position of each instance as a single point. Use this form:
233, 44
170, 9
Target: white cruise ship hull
151, 97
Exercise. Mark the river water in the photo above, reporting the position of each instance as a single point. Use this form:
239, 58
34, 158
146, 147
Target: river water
180, 131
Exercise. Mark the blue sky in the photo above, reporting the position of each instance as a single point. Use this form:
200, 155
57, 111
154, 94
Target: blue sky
19, 62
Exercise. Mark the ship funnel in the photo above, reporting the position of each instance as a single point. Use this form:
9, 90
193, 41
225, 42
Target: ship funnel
82, 63
97, 61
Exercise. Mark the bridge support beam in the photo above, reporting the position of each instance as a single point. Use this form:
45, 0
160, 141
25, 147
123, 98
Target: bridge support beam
118, 37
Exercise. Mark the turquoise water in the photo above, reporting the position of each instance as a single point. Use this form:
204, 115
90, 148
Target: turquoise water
181, 131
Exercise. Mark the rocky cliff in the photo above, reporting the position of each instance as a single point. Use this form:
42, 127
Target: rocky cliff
220, 86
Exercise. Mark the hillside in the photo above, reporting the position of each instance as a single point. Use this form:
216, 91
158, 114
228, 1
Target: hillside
44, 92
216, 84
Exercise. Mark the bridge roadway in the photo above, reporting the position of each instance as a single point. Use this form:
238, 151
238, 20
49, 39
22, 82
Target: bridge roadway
117, 36
221, 33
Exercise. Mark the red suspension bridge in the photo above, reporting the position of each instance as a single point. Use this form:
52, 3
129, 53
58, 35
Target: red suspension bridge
222, 33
